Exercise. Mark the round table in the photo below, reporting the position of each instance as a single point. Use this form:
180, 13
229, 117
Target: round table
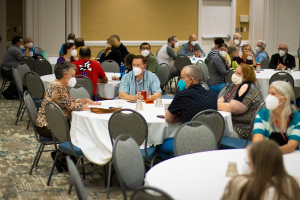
264, 76
202, 175
194, 62
89, 131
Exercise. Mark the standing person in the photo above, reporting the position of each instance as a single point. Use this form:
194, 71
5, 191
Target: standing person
115, 54
192, 48
260, 51
282, 60
237, 41
32, 51
70, 53
70, 39
121, 47
214, 49
247, 56
12, 58
145, 50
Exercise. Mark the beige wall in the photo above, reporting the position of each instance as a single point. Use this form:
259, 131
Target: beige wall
14, 18
242, 8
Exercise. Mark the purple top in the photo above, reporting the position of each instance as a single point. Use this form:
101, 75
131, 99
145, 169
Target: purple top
60, 59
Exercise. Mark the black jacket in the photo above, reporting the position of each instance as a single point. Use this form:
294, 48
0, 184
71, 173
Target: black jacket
115, 55
123, 51
276, 59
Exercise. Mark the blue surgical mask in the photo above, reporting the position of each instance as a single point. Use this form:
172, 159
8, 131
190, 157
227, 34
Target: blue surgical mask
181, 84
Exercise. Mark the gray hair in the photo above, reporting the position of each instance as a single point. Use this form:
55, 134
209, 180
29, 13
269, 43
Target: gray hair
64, 67
263, 43
26, 39
232, 49
193, 71
237, 34
287, 46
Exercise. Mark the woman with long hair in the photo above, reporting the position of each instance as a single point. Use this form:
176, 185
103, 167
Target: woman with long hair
112, 45
281, 120
268, 178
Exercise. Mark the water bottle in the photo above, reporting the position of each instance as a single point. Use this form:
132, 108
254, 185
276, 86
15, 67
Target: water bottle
122, 69
194, 57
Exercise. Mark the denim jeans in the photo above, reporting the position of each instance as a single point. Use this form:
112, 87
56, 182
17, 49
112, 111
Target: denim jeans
217, 88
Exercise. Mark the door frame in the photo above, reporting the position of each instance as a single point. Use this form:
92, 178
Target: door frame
2, 28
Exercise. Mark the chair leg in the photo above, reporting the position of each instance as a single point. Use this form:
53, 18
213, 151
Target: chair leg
108, 180
51, 172
105, 177
23, 113
19, 112
83, 171
19, 108
37, 153
77, 164
28, 125
39, 156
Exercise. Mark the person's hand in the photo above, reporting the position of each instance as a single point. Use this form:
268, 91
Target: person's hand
85, 107
250, 54
232, 42
138, 96
149, 96
26, 46
279, 66
221, 100
283, 67
115, 78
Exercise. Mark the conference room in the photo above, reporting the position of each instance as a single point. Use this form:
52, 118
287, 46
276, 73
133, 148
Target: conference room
149, 99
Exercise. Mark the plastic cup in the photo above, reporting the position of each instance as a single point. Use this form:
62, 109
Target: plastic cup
139, 106
232, 169
44, 54
258, 68
120, 104
158, 103
289, 70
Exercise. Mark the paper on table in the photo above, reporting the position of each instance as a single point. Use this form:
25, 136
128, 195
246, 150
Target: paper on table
98, 106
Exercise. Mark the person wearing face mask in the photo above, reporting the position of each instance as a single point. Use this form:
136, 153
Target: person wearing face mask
247, 56
282, 60
79, 42
237, 41
12, 58
112, 45
122, 48
128, 65
192, 48
214, 50
32, 51
219, 68
189, 101
260, 51
242, 98
70, 53
281, 120
138, 80
233, 53
145, 50
70, 39
267, 177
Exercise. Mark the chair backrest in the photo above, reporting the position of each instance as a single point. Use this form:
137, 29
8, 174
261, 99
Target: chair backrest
18, 82
214, 120
163, 73
100, 54
203, 84
193, 137
23, 69
157, 52
128, 162
282, 76
299, 56
86, 83
221, 92
110, 66
181, 61
55, 66
42, 67
265, 63
39, 50
31, 108
267, 55
204, 70
35, 85
76, 180
208, 64
150, 193
229, 75
179, 51
29, 61
79, 92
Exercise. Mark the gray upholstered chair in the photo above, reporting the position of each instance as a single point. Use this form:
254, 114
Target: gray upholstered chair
229, 75
163, 72
203, 84
214, 120
150, 193
221, 93
35, 87
128, 163
42, 67
179, 52
100, 54
204, 70
76, 180
182, 61
265, 63
39, 50
282, 76
86, 83
19, 85
29, 61
79, 92
23, 69
110, 66
193, 137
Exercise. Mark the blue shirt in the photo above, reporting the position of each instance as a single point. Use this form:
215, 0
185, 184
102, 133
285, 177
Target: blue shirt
259, 57
32, 49
262, 126
193, 100
129, 85
61, 49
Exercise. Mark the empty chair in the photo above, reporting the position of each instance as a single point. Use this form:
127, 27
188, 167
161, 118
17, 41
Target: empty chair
182, 61
110, 66
86, 83
179, 52
42, 67
229, 75
35, 87
100, 54
163, 72
23, 69
204, 70
19, 85
214, 120
29, 61
79, 92
282, 76
203, 84
265, 63
150, 193
193, 137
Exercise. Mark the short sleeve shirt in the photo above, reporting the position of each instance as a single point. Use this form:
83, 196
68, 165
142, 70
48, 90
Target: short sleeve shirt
91, 69
193, 100
12, 57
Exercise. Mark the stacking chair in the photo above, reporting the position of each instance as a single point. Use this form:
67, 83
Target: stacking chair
182, 61
39, 50
192, 137
23, 69
42, 67
29, 61
221, 93
150, 193
5, 83
265, 63
282, 76
157, 52
298, 52
128, 163
86, 83
32, 113
79, 92
214, 120
76, 180
19, 85
203, 84
55, 66
35, 87
229, 75
204, 70
100, 54
110, 66
179, 52
162, 73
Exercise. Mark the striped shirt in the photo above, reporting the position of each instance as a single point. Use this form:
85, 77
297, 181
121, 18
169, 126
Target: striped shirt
262, 126
210, 55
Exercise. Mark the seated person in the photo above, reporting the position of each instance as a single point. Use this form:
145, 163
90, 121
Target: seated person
219, 68
58, 92
122, 48
79, 42
139, 79
281, 120
238, 42
282, 60
145, 50
115, 54
70, 39
247, 56
69, 54
90, 68
128, 66
192, 48
214, 49
242, 98
267, 178
260, 51
233, 53
32, 51
190, 100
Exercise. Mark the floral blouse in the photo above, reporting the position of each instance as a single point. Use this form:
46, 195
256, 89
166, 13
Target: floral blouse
60, 95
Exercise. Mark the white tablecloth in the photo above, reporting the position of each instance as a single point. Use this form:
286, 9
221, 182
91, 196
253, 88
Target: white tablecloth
89, 131
202, 175
264, 76
194, 62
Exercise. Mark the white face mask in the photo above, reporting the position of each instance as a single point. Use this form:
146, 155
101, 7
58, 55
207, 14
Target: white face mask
257, 49
222, 53
194, 43
71, 41
74, 52
249, 57
21, 47
72, 82
137, 71
237, 42
30, 45
281, 53
272, 102
145, 53
176, 45
236, 79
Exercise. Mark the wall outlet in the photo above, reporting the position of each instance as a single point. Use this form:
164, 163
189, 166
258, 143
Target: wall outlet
244, 29
237, 29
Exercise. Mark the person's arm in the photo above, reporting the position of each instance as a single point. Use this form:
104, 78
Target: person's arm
171, 52
273, 62
123, 95
201, 50
155, 96
291, 62
105, 56
103, 80
220, 66
61, 51
259, 131
184, 51
27, 50
290, 146
155, 87
171, 119
62, 98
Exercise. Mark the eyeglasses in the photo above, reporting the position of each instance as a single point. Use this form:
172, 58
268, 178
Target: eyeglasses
282, 48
